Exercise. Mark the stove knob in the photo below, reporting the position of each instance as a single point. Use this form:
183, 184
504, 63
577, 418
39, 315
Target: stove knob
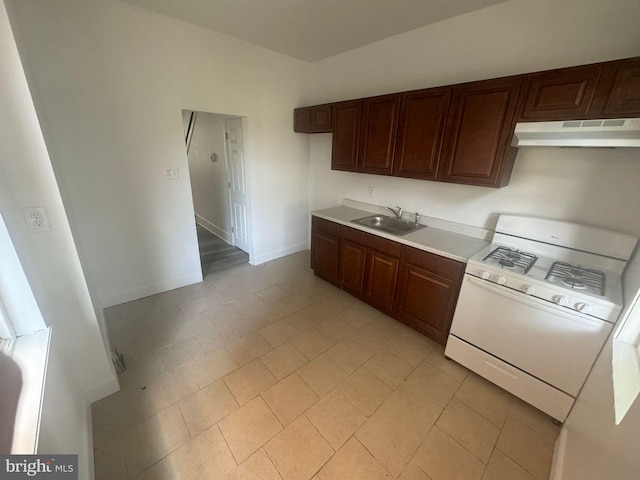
583, 307
529, 289
501, 280
485, 275
561, 300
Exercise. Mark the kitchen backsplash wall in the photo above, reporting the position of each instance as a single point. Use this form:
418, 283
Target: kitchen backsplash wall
599, 187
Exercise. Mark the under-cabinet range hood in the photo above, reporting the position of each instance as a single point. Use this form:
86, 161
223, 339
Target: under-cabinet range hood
622, 132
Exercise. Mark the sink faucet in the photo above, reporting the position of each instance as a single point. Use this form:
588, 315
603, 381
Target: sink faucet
396, 211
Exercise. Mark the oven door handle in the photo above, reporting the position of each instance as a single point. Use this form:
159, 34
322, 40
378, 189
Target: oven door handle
535, 302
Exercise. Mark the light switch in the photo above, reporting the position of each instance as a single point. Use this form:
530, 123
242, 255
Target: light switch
171, 173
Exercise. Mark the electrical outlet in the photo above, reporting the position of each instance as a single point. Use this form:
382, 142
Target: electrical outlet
171, 173
370, 192
37, 219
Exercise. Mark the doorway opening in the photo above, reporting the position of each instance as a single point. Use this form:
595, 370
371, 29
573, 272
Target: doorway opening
217, 170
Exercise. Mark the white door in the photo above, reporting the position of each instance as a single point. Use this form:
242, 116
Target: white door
237, 184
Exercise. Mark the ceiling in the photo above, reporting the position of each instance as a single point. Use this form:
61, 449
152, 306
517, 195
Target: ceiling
312, 29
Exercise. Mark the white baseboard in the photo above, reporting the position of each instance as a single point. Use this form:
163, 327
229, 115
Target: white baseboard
218, 232
131, 295
557, 466
104, 389
283, 252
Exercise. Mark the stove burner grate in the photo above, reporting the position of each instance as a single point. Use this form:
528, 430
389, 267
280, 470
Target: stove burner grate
509, 258
577, 277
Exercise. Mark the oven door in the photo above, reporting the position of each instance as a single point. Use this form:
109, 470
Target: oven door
552, 343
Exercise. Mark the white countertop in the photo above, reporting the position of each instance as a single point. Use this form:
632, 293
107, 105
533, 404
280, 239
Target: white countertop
445, 243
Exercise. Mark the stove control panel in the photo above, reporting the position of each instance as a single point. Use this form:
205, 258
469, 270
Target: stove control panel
570, 300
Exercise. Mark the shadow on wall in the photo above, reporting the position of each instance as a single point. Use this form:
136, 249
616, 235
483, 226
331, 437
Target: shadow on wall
11, 381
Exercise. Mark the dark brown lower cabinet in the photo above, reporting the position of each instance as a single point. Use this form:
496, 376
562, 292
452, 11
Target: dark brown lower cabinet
428, 290
416, 287
369, 267
380, 282
325, 249
352, 267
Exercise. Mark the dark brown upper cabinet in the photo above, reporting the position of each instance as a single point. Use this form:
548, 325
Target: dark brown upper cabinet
423, 116
462, 133
316, 119
560, 94
378, 134
321, 119
623, 98
476, 148
346, 135
302, 120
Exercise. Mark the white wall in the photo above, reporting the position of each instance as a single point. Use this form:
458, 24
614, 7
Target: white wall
209, 180
78, 363
109, 81
589, 186
596, 448
510, 38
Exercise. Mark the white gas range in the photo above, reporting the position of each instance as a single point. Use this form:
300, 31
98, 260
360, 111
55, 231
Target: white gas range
537, 305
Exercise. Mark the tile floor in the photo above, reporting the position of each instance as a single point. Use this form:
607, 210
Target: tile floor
270, 373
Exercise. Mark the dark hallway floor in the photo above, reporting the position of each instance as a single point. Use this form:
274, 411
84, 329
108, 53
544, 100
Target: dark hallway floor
216, 255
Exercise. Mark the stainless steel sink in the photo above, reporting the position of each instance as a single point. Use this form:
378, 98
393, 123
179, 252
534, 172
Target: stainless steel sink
389, 224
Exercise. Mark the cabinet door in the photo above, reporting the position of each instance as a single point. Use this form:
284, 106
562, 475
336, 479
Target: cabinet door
560, 94
427, 301
352, 267
346, 133
420, 133
325, 256
624, 97
320, 121
381, 277
302, 120
479, 128
378, 134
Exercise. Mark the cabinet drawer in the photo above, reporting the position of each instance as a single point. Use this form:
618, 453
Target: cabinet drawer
326, 226
371, 241
533, 391
434, 263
